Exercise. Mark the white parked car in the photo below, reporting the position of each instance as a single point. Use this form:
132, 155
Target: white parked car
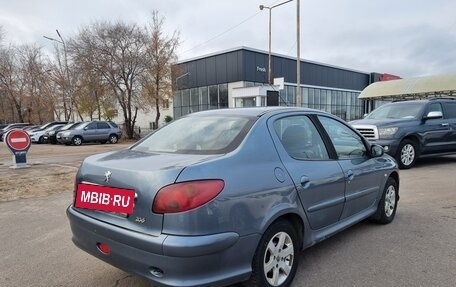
37, 136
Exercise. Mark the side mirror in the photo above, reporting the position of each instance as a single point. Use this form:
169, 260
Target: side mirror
365, 115
376, 151
433, 115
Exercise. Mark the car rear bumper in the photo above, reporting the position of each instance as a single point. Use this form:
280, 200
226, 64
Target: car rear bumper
218, 259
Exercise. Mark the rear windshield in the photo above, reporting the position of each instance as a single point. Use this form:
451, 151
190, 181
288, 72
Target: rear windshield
397, 111
198, 135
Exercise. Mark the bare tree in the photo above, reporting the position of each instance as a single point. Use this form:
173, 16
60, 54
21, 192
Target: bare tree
161, 55
91, 94
12, 81
117, 52
37, 105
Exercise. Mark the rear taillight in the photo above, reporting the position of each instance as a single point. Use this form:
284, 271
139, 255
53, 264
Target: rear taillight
184, 196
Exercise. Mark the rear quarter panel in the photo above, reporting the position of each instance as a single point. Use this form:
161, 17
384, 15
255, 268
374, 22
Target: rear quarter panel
257, 190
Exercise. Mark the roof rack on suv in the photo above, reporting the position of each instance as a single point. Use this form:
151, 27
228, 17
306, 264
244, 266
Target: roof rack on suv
443, 98
424, 99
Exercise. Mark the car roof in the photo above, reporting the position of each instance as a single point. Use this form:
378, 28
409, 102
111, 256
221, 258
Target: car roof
252, 112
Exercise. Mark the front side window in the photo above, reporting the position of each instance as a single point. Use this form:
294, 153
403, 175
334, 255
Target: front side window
92, 126
300, 138
348, 144
198, 135
435, 107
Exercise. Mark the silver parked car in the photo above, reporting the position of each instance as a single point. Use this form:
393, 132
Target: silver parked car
225, 196
95, 131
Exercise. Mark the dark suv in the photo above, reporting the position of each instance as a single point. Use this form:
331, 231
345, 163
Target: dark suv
411, 129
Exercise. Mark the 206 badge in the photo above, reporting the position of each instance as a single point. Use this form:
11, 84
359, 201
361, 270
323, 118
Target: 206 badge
140, 219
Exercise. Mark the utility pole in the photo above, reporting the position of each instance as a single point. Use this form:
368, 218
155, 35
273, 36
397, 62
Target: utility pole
298, 56
68, 89
270, 37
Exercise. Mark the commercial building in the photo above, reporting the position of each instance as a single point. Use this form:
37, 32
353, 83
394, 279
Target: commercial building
239, 78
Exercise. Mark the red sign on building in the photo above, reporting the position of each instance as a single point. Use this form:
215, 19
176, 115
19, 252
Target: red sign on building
388, 77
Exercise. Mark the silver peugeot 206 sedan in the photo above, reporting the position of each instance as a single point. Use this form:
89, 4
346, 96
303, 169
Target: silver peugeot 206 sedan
226, 196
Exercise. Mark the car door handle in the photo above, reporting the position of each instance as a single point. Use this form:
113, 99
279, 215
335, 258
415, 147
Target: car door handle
305, 181
350, 175
445, 125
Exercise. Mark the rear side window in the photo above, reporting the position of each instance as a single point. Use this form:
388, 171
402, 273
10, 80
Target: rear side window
450, 110
103, 126
348, 144
300, 138
114, 125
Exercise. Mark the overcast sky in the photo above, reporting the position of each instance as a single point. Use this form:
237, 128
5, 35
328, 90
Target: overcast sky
402, 37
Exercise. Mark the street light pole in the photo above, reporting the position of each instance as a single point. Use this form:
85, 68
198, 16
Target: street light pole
270, 37
270, 49
68, 81
180, 77
298, 56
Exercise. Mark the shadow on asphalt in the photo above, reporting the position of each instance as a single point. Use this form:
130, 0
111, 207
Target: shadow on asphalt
434, 161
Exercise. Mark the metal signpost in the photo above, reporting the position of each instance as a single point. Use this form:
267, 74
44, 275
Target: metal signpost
18, 142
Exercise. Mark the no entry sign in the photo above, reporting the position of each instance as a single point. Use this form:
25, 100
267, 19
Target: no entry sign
18, 142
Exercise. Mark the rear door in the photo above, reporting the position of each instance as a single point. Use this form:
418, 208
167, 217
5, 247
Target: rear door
318, 179
436, 133
102, 131
362, 178
450, 115
90, 131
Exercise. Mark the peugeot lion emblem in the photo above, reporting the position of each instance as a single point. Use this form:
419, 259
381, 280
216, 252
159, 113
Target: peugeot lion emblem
107, 176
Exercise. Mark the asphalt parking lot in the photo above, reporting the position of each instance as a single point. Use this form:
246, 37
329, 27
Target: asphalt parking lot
417, 249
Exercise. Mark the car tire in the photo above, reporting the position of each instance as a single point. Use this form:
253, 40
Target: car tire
77, 140
113, 139
41, 140
406, 154
387, 206
272, 264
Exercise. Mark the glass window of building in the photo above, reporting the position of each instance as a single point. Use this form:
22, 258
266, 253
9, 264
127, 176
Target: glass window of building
305, 97
323, 105
223, 96
213, 97
204, 98
185, 101
311, 98
194, 100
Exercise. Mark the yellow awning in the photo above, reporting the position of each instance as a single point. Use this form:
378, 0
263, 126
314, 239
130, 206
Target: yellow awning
422, 87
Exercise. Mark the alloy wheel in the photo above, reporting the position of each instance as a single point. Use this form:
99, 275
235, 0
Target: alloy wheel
390, 200
278, 259
407, 154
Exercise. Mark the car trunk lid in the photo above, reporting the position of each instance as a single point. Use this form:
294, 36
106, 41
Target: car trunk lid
145, 173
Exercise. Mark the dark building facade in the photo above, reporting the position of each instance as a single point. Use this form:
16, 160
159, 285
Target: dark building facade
239, 78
